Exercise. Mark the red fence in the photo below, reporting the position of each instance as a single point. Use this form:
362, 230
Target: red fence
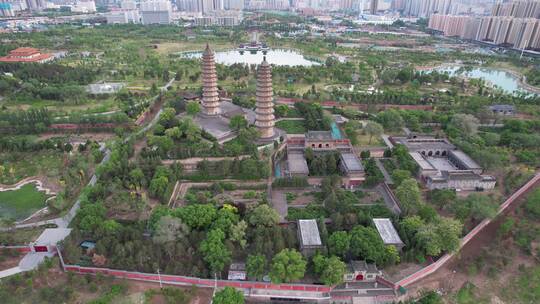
182, 280
467, 238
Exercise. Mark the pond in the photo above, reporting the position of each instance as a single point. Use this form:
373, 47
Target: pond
20, 203
502, 79
277, 170
336, 134
277, 57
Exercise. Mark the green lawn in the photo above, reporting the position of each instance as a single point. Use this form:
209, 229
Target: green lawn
292, 126
21, 203
363, 140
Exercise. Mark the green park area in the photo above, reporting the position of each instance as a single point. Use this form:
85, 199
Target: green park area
21, 203
193, 194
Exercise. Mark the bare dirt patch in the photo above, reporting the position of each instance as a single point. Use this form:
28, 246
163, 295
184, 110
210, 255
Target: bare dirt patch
7, 262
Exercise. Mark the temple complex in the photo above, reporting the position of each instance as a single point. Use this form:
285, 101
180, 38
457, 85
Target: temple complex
264, 120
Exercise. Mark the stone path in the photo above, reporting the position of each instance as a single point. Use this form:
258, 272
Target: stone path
387, 142
387, 177
389, 198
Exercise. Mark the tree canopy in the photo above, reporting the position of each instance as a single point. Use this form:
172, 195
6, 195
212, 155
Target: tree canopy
287, 266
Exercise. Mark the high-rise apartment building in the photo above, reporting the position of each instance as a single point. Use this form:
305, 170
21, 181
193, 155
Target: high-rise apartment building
233, 5
425, 8
156, 12
212, 5
374, 7
36, 5
513, 24
518, 9
195, 6
6, 10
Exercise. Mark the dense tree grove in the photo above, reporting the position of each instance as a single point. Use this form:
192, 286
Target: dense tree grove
314, 119
323, 164
228, 295
31, 121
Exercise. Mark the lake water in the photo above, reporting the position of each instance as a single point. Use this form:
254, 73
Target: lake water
504, 80
277, 57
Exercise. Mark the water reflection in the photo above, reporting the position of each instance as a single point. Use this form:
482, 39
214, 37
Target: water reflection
502, 79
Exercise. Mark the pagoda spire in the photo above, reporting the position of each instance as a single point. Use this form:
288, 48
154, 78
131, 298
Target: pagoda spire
264, 119
210, 96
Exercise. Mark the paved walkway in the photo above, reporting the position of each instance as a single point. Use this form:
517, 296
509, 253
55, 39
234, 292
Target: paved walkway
389, 199
387, 177
387, 142
33, 259
279, 202
9, 272
28, 262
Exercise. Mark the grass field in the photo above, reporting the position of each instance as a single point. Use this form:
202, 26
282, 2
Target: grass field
292, 126
21, 203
